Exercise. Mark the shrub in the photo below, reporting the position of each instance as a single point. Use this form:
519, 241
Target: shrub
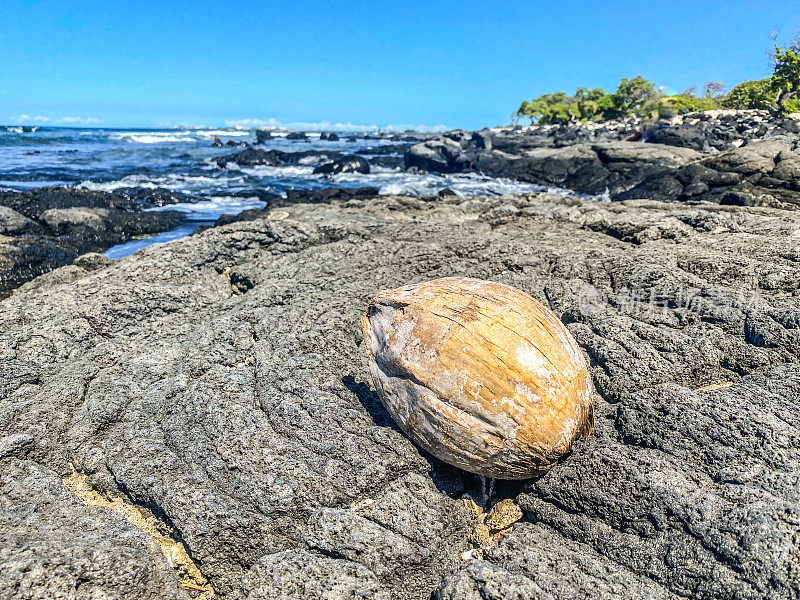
683, 103
750, 95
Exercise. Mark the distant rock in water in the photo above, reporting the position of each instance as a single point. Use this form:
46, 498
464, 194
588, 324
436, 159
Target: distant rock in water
297, 135
263, 136
154, 196
347, 164
386, 149
329, 194
216, 142
389, 162
232, 144
332, 137
277, 158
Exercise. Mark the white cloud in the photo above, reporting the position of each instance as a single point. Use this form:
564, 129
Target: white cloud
28, 118
327, 126
76, 120
39, 119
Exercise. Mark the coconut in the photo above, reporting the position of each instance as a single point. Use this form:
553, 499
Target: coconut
479, 374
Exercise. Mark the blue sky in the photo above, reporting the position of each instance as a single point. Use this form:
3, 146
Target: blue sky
433, 62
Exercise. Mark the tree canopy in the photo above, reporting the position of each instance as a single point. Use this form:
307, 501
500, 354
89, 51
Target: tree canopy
639, 97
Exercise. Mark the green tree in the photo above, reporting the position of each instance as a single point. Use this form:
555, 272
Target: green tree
750, 95
592, 105
636, 97
683, 103
785, 80
549, 109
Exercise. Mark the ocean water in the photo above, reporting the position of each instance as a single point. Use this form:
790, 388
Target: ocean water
182, 160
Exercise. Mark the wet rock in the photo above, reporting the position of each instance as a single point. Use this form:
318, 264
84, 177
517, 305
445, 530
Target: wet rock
263, 136
332, 137
328, 194
346, 164
277, 158
297, 135
34, 202
387, 162
155, 196
50, 227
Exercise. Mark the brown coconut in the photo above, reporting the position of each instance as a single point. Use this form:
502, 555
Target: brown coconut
479, 374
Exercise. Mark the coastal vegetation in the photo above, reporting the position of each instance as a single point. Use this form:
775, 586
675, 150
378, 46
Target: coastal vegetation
640, 97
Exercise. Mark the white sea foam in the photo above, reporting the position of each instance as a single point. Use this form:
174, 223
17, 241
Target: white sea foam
173, 181
390, 181
211, 208
164, 137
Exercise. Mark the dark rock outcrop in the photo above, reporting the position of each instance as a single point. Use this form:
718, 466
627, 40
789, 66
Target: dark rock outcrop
43, 229
346, 164
763, 173
263, 136
327, 195
154, 196
277, 158
680, 161
397, 149
220, 381
388, 162
297, 135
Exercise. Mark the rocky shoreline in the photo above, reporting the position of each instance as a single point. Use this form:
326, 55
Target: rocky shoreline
46, 228
216, 390
727, 157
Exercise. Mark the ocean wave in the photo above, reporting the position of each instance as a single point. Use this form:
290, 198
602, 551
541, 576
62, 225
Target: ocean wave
211, 208
165, 137
390, 181
177, 182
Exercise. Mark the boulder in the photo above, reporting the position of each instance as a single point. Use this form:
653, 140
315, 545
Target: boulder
13, 223
441, 156
346, 164
387, 162
297, 135
263, 136
277, 158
